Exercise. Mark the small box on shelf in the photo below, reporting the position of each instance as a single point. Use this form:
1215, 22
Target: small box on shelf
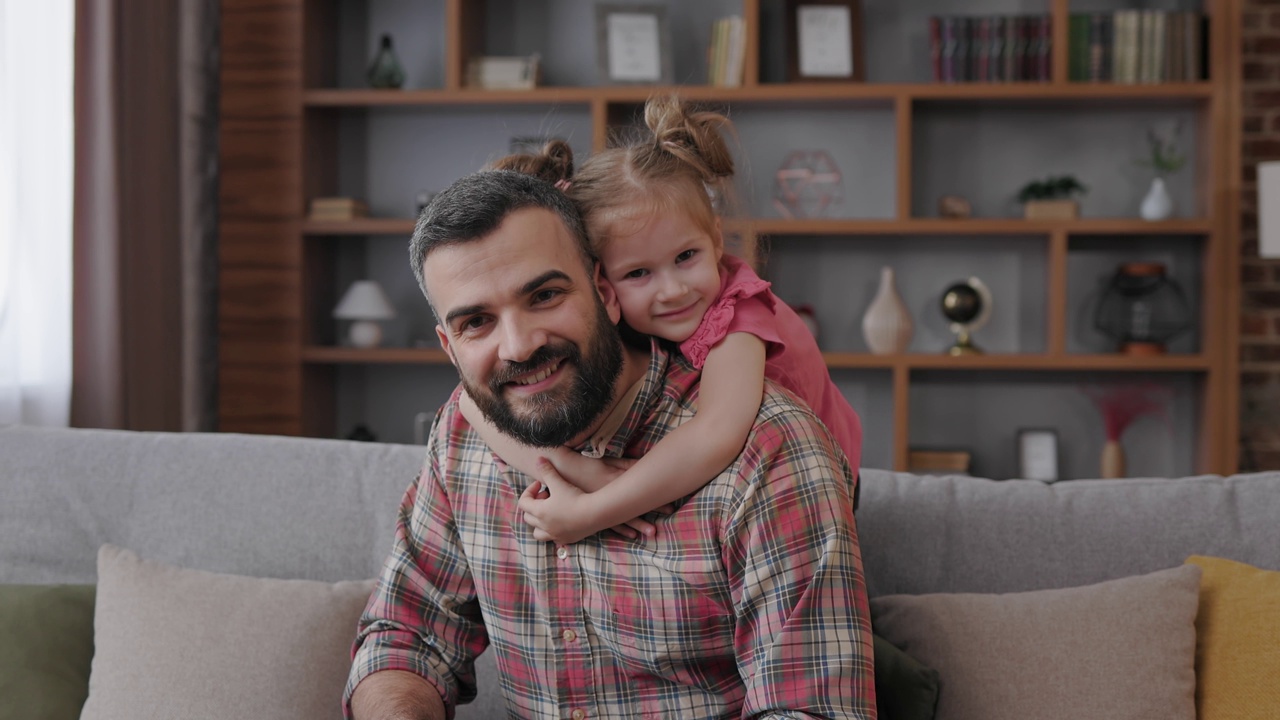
337, 208
938, 462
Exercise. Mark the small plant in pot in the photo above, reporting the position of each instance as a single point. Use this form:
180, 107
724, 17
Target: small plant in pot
1052, 198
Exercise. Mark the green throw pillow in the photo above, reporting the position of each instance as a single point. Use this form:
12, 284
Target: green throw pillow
905, 689
46, 649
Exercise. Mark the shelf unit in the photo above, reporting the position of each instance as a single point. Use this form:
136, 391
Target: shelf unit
289, 121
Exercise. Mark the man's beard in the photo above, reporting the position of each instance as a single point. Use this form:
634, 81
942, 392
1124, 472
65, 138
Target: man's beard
558, 415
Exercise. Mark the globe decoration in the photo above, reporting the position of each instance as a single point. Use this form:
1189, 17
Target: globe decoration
967, 304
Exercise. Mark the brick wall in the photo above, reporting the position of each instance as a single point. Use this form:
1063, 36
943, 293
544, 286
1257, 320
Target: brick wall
1260, 279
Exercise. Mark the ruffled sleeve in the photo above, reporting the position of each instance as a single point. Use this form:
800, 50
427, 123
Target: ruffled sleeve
741, 291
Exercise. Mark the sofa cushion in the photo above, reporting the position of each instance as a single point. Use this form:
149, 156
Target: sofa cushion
46, 646
1118, 649
175, 642
1238, 640
905, 689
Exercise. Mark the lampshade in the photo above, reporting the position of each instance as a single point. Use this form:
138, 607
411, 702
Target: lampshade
1269, 209
364, 300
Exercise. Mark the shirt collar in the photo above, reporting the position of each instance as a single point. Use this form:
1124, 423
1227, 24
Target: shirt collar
628, 414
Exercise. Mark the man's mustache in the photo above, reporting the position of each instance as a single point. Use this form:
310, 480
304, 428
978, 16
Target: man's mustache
543, 355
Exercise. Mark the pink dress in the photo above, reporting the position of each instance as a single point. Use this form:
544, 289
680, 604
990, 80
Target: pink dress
792, 358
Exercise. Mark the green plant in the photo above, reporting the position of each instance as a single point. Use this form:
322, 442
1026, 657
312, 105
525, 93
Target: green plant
1162, 148
1061, 187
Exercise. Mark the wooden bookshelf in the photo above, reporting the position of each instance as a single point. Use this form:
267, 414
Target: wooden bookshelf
282, 127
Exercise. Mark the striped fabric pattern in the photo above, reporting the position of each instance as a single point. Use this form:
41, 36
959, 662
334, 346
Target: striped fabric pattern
750, 602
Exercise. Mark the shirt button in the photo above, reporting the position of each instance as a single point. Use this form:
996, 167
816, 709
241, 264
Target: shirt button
569, 635
562, 553
578, 714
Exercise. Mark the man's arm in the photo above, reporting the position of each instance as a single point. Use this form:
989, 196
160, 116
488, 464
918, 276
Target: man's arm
791, 549
396, 695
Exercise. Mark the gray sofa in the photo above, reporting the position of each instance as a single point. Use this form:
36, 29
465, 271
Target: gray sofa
323, 510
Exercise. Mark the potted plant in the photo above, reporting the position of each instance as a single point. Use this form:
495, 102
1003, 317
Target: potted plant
1164, 158
1052, 198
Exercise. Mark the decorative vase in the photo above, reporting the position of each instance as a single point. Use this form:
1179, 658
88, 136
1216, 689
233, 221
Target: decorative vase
887, 325
1157, 205
1112, 460
385, 71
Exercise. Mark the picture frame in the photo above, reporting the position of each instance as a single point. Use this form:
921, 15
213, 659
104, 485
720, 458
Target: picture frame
633, 44
824, 41
1038, 454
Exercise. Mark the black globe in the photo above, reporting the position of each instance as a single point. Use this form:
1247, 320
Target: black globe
961, 303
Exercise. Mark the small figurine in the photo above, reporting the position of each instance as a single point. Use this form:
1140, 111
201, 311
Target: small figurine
954, 207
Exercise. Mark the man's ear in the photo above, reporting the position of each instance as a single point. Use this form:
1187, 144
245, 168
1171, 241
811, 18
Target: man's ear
443, 337
608, 295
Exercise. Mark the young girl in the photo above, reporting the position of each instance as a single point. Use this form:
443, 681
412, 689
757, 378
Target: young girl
649, 212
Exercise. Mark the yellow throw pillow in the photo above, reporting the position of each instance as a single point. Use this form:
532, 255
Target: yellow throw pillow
1237, 641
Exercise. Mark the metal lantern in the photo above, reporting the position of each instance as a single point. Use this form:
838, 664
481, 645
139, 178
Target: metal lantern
1142, 309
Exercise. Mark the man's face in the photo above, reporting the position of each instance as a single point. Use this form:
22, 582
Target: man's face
532, 334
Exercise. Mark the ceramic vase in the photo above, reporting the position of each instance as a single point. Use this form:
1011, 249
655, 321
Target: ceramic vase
385, 71
1112, 460
1157, 205
887, 325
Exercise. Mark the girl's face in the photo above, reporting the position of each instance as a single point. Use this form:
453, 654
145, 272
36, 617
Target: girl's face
666, 273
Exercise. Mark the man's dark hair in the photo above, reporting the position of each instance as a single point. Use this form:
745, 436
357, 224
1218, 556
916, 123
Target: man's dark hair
476, 205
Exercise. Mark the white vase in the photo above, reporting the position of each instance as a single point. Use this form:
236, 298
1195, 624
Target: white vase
887, 325
1157, 205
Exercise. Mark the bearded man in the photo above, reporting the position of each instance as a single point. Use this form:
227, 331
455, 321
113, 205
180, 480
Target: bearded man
749, 601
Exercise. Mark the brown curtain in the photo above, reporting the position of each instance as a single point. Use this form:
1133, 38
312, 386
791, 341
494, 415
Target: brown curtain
144, 214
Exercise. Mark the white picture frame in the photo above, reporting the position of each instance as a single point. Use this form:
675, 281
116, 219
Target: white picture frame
1038, 454
633, 44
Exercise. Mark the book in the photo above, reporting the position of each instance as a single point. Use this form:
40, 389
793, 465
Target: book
337, 208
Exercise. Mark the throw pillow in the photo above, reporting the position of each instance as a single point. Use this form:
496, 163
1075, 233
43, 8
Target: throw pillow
178, 643
46, 646
905, 689
1238, 633
1119, 649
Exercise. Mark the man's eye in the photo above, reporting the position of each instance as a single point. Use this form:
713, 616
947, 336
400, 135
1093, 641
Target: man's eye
635, 274
545, 295
471, 324
687, 254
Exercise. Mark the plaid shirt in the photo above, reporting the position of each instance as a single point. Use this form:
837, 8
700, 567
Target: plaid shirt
750, 602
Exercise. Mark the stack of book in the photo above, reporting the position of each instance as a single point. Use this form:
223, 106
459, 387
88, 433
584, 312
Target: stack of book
938, 462
1137, 46
726, 56
337, 208
1002, 48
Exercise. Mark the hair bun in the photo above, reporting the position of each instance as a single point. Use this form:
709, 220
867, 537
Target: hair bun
554, 163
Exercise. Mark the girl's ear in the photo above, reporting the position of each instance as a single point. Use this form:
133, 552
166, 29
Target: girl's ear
608, 295
718, 240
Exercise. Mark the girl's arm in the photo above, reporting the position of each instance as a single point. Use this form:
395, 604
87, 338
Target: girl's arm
685, 460
586, 474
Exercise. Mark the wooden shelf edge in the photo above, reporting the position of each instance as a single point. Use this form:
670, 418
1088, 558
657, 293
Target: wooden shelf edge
780, 92
1019, 361
916, 226
328, 355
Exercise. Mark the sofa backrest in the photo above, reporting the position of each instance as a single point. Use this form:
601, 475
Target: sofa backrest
245, 504
962, 534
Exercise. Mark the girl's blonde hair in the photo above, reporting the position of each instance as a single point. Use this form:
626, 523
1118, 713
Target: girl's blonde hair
680, 163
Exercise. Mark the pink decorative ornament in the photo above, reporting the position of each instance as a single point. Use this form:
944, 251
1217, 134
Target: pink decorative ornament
807, 184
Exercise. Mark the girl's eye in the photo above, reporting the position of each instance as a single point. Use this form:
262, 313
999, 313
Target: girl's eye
686, 255
639, 273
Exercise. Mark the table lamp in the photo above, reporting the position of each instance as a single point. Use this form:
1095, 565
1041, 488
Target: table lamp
365, 303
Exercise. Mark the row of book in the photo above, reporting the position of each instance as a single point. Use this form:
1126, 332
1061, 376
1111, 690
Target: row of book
727, 54
1137, 46
1002, 48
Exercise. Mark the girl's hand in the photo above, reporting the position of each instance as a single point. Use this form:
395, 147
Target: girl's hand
560, 512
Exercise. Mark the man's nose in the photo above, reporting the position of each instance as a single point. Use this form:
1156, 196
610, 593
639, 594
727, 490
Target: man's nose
519, 342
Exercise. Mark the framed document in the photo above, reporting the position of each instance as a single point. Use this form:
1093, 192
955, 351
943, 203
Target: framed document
1038, 454
824, 40
633, 44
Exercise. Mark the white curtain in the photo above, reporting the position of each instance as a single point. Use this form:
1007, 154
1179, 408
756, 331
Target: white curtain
36, 52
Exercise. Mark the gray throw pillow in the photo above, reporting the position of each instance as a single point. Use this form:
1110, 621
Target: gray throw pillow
1122, 649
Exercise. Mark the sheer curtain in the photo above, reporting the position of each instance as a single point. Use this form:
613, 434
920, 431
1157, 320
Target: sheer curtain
36, 41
